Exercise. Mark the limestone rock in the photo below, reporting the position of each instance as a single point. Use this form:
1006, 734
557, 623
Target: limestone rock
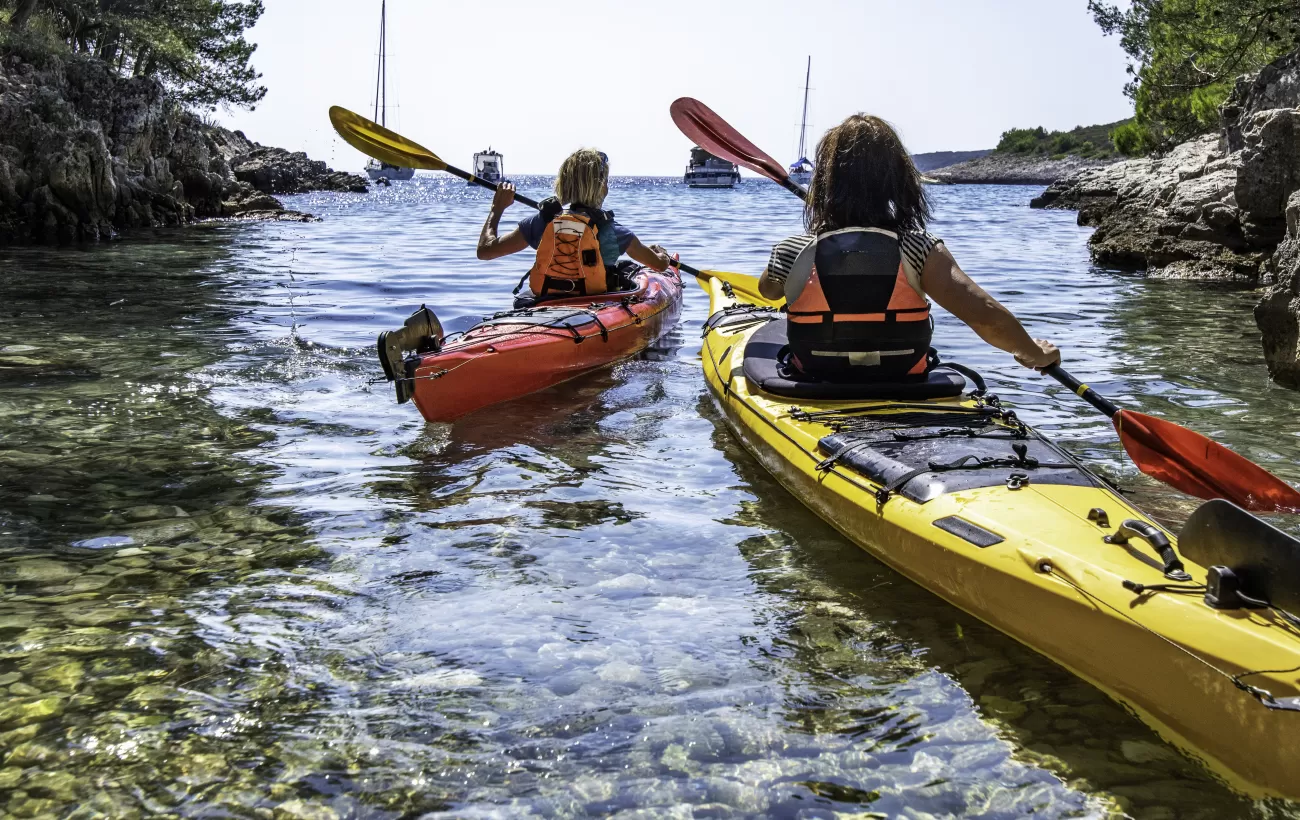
1277, 85
1269, 172
1278, 313
277, 171
1222, 206
1178, 214
86, 153
1015, 169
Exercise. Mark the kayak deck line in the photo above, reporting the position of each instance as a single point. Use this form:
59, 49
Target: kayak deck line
1171, 659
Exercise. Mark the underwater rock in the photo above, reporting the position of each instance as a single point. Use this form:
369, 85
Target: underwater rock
23, 713
39, 571
297, 809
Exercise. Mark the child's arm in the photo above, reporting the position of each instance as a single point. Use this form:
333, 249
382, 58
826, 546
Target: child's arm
653, 257
490, 246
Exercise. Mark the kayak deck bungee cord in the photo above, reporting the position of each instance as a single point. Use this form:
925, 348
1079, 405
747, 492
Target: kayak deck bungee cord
947, 486
517, 352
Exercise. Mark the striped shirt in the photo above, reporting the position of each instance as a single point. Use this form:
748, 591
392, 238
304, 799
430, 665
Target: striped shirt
915, 245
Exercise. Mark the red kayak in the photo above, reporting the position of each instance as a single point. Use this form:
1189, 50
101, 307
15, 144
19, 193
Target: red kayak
522, 351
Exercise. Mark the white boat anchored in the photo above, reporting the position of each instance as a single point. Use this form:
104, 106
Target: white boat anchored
801, 170
708, 171
489, 166
374, 168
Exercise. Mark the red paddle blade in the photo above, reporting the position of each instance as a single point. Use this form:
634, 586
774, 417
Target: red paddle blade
1196, 465
712, 133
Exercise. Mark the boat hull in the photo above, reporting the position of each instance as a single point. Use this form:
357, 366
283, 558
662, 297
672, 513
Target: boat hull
519, 352
698, 179
390, 172
1051, 583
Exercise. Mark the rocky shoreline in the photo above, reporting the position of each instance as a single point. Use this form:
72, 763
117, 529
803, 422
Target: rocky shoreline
1222, 207
1014, 169
86, 153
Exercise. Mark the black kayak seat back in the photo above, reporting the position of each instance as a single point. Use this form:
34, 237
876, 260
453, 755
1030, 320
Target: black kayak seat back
766, 369
1265, 559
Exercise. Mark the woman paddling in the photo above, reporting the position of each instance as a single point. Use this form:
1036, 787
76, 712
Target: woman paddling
856, 283
577, 247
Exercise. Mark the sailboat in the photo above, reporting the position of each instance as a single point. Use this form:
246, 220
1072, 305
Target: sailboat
801, 170
374, 168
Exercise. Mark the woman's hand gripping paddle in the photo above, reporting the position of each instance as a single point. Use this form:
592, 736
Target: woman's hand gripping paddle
385, 145
1181, 458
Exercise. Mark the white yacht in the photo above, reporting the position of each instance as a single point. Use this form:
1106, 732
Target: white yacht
489, 166
801, 170
708, 171
374, 168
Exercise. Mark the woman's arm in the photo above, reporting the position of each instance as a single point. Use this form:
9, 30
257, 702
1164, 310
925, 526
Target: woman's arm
490, 246
946, 283
653, 257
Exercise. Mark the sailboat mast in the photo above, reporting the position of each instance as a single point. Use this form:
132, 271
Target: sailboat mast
383, 58
803, 122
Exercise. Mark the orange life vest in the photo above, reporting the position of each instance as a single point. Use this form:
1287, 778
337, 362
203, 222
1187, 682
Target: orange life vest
568, 258
852, 312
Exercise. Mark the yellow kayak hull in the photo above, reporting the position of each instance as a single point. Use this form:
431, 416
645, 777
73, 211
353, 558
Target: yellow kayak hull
1053, 584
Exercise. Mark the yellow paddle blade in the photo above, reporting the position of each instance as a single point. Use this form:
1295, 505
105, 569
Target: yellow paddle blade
374, 140
745, 287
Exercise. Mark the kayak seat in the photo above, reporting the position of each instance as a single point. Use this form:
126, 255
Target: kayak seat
766, 369
923, 463
624, 279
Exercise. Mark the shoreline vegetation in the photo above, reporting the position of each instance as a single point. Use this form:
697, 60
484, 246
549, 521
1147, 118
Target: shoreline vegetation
1036, 156
102, 127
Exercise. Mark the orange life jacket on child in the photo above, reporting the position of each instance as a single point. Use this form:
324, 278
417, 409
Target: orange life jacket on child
852, 312
568, 258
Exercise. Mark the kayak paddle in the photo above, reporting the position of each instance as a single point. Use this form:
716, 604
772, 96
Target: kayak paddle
1181, 458
1187, 460
385, 145
715, 135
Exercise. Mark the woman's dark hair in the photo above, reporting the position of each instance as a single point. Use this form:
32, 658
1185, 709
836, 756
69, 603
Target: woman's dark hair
864, 178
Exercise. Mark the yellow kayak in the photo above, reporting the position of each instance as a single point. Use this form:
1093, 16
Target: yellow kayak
948, 487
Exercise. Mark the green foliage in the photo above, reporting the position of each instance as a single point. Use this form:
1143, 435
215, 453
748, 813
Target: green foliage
1185, 55
1133, 139
1021, 140
196, 47
1083, 141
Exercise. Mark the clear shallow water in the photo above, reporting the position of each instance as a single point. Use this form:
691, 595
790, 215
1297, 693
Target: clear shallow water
238, 578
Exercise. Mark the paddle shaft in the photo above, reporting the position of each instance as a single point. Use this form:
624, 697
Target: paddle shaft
793, 187
491, 186
1082, 390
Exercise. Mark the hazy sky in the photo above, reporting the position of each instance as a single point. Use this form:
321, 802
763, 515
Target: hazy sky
538, 79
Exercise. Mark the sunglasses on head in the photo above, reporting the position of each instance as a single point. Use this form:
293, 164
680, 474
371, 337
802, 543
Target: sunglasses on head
604, 158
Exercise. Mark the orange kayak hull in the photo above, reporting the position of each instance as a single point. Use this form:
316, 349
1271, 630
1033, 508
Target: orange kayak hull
518, 352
